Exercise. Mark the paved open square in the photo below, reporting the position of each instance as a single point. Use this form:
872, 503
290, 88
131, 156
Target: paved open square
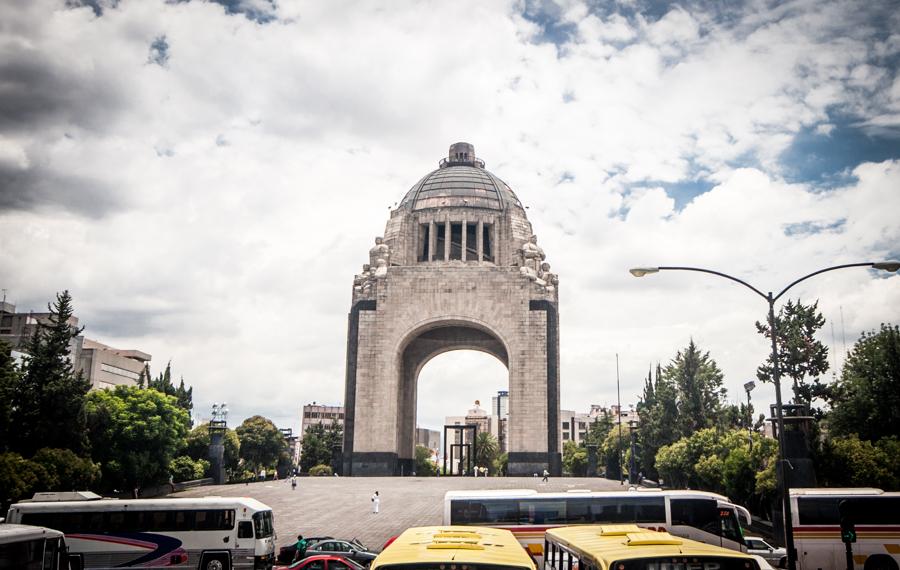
341, 506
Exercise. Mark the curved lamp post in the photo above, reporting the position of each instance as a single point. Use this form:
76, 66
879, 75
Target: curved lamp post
891, 266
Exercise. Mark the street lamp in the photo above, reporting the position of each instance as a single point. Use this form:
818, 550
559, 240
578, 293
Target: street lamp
891, 266
217, 427
632, 476
748, 387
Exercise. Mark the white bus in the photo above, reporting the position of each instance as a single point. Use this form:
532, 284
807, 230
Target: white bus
210, 533
24, 547
706, 517
817, 528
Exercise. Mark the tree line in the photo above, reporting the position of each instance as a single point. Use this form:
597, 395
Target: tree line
689, 436
58, 435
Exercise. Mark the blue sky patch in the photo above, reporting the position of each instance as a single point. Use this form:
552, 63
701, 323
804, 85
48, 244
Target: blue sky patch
821, 158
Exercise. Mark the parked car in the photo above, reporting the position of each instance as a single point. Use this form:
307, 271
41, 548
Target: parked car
772, 555
286, 552
352, 549
322, 562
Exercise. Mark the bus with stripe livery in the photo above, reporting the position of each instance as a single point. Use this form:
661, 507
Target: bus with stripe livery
875, 514
703, 516
208, 533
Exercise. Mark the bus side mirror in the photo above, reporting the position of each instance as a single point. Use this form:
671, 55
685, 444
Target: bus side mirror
225, 539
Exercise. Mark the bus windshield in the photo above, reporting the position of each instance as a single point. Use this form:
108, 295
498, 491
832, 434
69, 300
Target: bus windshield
263, 524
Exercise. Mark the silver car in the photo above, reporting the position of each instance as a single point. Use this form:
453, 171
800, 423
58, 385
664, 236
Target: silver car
774, 556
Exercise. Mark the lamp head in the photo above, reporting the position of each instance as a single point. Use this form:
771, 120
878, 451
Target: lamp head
892, 266
641, 271
748, 386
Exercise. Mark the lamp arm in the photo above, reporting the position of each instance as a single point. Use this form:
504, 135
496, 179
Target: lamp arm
805, 277
720, 274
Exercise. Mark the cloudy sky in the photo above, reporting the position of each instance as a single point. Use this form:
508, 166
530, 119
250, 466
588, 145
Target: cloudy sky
206, 177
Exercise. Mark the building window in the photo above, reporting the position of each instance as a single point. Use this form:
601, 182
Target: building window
565, 425
455, 241
424, 241
566, 435
119, 371
487, 250
440, 230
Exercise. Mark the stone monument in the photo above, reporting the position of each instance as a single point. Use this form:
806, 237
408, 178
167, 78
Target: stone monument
458, 267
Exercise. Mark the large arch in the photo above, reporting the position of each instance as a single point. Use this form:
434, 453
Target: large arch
458, 268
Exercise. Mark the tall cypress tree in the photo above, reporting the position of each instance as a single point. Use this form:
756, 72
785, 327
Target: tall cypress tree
9, 382
697, 381
48, 404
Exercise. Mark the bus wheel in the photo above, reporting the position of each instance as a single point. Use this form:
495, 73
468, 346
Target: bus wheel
880, 562
215, 562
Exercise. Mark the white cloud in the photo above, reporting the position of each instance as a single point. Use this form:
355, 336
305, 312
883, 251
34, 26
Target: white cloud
235, 260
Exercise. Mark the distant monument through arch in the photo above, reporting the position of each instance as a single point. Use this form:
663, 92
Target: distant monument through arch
458, 268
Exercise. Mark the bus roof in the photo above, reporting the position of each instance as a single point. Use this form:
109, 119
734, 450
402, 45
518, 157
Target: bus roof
125, 504
458, 544
532, 494
808, 491
604, 544
20, 532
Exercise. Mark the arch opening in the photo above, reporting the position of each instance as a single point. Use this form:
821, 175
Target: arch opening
417, 354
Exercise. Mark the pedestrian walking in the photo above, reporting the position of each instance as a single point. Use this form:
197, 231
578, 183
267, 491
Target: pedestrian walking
293, 482
171, 483
546, 476
376, 502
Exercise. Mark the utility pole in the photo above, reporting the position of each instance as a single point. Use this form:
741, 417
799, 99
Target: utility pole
619, 413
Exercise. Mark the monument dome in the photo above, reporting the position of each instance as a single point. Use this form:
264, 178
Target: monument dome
459, 214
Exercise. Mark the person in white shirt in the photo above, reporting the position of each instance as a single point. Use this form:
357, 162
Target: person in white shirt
376, 502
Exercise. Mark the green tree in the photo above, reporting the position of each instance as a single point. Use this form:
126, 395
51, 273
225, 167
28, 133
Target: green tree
184, 397
424, 466
574, 459
197, 448
19, 478
851, 462
698, 385
135, 434
261, 442
319, 443
184, 468
501, 464
866, 399
66, 471
487, 450
722, 461
48, 402
800, 354
658, 410
9, 382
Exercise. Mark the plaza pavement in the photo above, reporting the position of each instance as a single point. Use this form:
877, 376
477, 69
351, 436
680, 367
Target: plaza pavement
340, 506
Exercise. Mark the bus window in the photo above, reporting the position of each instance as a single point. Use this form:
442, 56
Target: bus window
245, 529
262, 521
867, 510
25, 555
542, 511
698, 513
484, 511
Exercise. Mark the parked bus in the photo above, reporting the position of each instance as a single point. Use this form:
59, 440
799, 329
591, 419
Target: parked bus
630, 547
210, 533
816, 517
24, 547
698, 515
454, 548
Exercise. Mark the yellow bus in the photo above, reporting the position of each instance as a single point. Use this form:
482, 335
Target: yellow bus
454, 548
630, 547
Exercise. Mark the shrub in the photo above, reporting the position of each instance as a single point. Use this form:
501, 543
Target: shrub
320, 471
20, 478
67, 471
183, 468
